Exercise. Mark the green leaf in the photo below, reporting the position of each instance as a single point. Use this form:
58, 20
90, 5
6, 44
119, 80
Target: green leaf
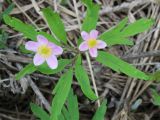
155, 97
61, 117
137, 27
30, 68
114, 39
66, 113
100, 113
61, 95
39, 112
120, 66
3, 39
27, 30
60, 83
92, 15
155, 75
120, 33
73, 106
87, 2
7, 11
46, 70
2, 45
121, 25
83, 81
114, 36
55, 23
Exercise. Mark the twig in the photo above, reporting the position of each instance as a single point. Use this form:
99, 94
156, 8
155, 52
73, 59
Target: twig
35, 5
25, 14
146, 85
4, 80
126, 5
142, 55
145, 64
38, 93
142, 40
77, 15
15, 58
55, 5
92, 77
25, 8
36, 90
7, 117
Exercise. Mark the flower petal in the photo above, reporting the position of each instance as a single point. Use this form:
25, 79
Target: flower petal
52, 62
38, 60
32, 46
52, 45
85, 35
57, 50
93, 34
41, 39
101, 44
93, 52
83, 46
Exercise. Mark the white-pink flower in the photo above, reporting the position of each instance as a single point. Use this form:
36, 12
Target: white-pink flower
45, 51
91, 43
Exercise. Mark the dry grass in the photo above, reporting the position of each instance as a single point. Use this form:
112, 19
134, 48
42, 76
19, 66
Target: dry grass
120, 90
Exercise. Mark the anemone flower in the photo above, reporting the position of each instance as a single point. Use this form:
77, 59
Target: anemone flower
91, 43
45, 51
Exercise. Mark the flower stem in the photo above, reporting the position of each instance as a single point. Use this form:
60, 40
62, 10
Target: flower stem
92, 77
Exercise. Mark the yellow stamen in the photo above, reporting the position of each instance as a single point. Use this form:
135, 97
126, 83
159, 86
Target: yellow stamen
92, 43
45, 51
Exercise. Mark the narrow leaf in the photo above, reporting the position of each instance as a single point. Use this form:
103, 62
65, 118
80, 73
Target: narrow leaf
7, 11
112, 38
66, 113
137, 27
61, 82
155, 75
30, 68
119, 34
55, 23
156, 97
27, 30
120, 66
3, 39
61, 95
39, 112
114, 35
83, 81
121, 25
92, 15
61, 117
70, 108
73, 106
100, 113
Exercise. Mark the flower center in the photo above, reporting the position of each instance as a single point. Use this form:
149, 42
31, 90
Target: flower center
92, 43
44, 51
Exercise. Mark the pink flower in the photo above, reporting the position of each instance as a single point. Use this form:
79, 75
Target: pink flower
45, 51
91, 43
